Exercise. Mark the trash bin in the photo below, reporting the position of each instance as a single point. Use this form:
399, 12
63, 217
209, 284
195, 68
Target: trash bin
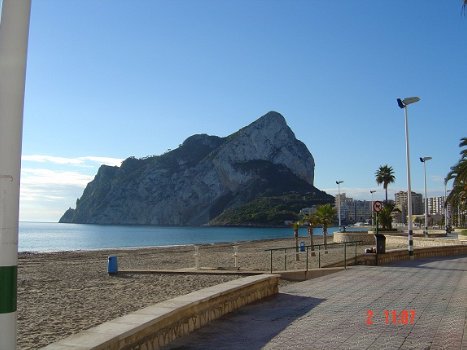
302, 246
380, 243
112, 266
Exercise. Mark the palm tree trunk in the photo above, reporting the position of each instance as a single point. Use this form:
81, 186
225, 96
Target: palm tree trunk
310, 233
297, 257
325, 237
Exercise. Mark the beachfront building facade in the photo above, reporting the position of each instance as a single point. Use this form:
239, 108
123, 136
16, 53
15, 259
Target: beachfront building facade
401, 198
437, 210
436, 205
353, 211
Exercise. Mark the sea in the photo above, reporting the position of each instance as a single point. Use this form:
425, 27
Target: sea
56, 237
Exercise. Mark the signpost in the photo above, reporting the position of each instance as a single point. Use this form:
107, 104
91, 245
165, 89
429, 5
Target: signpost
377, 207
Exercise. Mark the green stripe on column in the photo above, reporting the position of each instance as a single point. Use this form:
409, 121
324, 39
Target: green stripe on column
8, 277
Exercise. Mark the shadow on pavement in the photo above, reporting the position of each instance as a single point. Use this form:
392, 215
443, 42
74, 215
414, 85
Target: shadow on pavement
251, 327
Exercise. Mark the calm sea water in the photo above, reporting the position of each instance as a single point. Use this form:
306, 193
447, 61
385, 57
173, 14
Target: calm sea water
54, 237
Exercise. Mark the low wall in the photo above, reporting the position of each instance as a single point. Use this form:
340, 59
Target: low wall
420, 242
416, 233
156, 326
354, 236
419, 253
304, 275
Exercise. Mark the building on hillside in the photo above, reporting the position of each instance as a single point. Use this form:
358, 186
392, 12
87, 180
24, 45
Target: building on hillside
308, 211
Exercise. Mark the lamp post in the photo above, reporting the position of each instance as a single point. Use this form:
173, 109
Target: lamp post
338, 182
372, 214
424, 160
14, 29
446, 225
403, 104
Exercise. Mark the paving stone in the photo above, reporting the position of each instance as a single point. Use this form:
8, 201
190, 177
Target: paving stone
333, 312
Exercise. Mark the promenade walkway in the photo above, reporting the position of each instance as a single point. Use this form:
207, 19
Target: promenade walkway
353, 309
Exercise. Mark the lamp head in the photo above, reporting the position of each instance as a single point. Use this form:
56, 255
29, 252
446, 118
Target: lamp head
424, 159
372, 191
399, 102
339, 182
407, 101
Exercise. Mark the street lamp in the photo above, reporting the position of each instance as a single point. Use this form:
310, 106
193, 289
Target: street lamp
372, 220
14, 30
338, 182
403, 104
445, 205
424, 160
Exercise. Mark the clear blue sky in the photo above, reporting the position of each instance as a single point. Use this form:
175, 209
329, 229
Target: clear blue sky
110, 79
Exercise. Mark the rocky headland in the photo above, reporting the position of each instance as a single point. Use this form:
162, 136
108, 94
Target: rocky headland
259, 175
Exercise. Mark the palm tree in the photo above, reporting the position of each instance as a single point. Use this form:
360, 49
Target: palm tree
312, 222
385, 216
385, 175
325, 215
458, 173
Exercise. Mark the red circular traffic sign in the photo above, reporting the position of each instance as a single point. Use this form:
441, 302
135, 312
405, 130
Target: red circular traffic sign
377, 206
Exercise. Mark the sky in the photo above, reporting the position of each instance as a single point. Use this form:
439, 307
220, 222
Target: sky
110, 79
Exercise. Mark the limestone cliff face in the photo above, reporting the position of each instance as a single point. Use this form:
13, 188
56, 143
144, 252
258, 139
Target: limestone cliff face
270, 139
198, 181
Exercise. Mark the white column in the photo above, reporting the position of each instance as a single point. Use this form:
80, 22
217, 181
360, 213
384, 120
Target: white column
425, 231
409, 188
339, 204
445, 206
14, 28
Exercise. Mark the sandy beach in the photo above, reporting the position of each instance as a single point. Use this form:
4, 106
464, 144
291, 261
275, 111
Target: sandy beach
60, 294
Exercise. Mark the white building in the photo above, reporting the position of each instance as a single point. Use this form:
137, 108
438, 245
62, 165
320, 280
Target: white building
353, 211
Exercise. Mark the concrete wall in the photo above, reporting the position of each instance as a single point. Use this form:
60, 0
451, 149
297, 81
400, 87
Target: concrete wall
155, 326
419, 253
354, 236
419, 242
304, 275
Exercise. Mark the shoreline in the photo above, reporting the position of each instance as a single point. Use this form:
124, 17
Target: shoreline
261, 240
53, 237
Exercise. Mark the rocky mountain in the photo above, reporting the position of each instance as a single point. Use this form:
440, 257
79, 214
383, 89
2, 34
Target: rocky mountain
205, 178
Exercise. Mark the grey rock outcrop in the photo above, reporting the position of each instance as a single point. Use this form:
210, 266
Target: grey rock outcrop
196, 182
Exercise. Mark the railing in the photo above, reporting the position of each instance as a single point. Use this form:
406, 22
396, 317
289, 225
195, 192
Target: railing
237, 257
310, 251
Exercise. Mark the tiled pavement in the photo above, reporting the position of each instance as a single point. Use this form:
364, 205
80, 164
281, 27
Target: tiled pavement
346, 310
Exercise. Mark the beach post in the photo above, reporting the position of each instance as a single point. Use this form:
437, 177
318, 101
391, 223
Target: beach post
196, 255
14, 30
236, 256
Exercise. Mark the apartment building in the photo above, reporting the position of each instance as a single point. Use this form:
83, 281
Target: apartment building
401, 203
353, 211
436, 205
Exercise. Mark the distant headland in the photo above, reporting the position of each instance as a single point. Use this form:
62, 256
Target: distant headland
260, 175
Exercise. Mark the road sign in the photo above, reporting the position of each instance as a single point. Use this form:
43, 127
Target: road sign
377, 206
